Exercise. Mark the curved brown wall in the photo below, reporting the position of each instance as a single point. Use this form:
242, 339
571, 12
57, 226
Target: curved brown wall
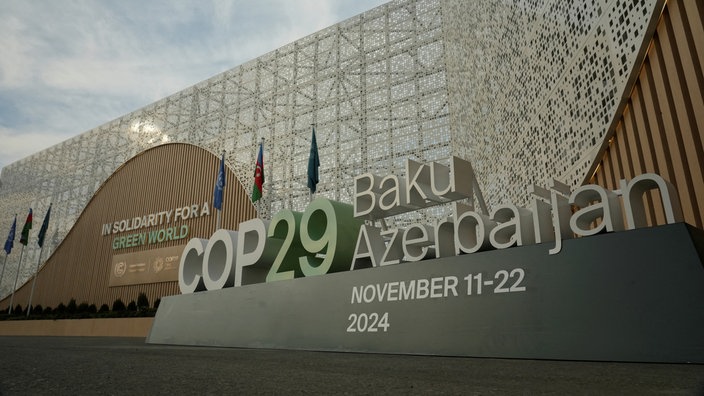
161, 178
661, 129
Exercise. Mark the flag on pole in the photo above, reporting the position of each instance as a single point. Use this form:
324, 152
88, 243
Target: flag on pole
24, 237
219, 185
313, 164
258, 175
45, 225
10, 242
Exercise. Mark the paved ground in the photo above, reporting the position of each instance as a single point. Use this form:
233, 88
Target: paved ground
127, 366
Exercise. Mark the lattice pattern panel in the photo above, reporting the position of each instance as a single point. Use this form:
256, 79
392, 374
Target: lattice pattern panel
374, 86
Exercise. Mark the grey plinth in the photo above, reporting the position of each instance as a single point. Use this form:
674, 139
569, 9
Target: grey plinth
626, 296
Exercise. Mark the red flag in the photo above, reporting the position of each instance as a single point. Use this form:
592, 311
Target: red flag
24, 238
257, 190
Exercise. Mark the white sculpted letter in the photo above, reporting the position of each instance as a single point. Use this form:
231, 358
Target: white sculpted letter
606, 207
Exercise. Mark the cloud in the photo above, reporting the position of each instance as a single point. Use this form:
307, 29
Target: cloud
17, 146
71, 66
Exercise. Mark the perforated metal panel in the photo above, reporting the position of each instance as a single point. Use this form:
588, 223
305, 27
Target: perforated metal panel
534, 85
522, 89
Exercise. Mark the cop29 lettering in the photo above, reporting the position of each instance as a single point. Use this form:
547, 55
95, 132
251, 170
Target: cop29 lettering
332, 236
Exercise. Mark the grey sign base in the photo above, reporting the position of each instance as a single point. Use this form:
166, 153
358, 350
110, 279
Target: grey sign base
626, 296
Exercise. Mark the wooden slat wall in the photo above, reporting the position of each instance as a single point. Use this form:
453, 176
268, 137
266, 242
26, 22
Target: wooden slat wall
662, 127
161, 178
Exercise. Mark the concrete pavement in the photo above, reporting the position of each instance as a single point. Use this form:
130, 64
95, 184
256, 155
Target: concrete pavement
128, 366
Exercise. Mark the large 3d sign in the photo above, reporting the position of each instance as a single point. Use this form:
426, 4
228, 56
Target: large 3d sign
332, 236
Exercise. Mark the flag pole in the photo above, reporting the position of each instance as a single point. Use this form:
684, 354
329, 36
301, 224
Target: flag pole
34, 281
40, 242
269, 188
258, 203
19, 267
9, 243
310, 192
2, 274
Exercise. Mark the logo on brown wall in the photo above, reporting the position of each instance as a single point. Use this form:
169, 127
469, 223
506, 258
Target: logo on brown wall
120, 268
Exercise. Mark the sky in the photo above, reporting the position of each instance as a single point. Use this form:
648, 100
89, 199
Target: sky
69, 66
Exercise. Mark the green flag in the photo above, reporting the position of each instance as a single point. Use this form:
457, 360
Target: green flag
313, 164
45, 225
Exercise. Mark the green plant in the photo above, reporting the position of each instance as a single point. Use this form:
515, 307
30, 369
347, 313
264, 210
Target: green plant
132, 306
104, 308
142, 302
72, 307
118, 306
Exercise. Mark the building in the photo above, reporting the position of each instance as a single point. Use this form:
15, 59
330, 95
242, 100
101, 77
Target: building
528, 91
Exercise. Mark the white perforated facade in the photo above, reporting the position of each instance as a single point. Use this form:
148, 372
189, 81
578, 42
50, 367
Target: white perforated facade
525, 90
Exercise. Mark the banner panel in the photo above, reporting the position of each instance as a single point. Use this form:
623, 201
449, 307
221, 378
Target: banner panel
623, 296
150, 266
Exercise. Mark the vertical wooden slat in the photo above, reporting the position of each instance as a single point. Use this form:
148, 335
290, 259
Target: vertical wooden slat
662, 127
693, 22
628, 155
644, 145
691, 74
607, 172
679, 77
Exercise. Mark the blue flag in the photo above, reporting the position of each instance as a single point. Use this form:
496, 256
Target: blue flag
313, 164
219, 185
9, 243
45, 225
